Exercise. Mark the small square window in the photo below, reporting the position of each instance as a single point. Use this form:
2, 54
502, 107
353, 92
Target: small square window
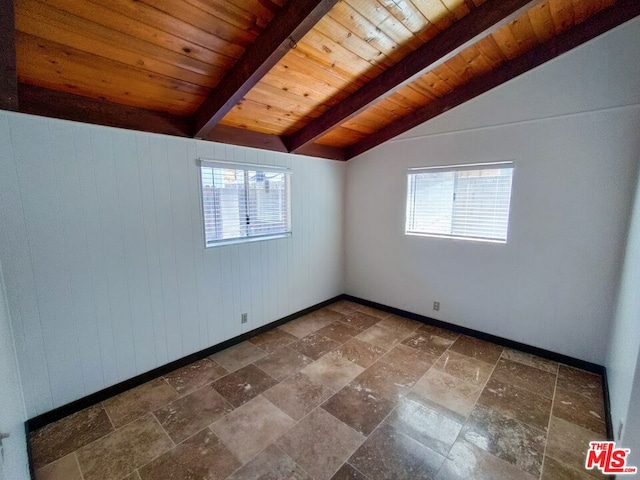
468, 201
244, 202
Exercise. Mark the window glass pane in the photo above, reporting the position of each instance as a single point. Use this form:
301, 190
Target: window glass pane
244, 203
460, 202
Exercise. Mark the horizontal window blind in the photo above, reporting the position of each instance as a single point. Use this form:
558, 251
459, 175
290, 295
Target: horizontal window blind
464, 202
244, 203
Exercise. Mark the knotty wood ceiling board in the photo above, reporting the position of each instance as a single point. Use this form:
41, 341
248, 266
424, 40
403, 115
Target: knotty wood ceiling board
163, 55
353, 44
540, 23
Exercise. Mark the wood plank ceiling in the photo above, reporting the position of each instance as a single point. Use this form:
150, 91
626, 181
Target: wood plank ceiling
332, 78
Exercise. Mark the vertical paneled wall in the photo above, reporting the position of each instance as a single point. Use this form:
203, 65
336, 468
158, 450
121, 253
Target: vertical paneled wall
102, 245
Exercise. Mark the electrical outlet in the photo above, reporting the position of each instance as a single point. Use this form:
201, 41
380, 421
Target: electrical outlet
436, 306
243, 318
620, 427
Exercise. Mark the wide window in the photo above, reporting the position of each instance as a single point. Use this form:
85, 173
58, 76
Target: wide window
466, 201
244, 202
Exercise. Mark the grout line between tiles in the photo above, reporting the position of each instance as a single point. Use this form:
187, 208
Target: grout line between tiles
109, 417
366, 437
78, 463
347, 463
546, 443
174, 388
164, 429
472, 408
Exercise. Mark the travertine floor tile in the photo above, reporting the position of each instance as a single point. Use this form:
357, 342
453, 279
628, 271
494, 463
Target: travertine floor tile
301, 327
568, 444
333, 371
554, 470
326, 315
194, 376
389, 381
472, 347
339, 331
390, 454
191, 413
530, 360
320, 443
526, 377
468, 462
463, 367
242, 385
298, 395
402, 356
139, 401
448, 391
283, 363
347, 472
273, 340
238, 356
360, 320
359, 407
251, 428
119, 453
308, 324
437, 331
374, 312
359, 352
403, 326
59, 439
578, 381
343, 306
315, 345
66, 468
517, 403
506, 438
580, 410
271, 464
201, 457
434, 428
431, 344
382, 337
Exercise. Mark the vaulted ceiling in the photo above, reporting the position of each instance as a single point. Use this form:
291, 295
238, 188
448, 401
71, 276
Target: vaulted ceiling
331, 78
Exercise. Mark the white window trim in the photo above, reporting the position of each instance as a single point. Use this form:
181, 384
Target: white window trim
453, 168
208, 162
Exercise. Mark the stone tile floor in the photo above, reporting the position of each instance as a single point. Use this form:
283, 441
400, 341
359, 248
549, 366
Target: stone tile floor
347, 392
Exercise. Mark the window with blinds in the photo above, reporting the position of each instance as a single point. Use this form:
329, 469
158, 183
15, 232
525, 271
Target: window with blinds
467, 201
244, 202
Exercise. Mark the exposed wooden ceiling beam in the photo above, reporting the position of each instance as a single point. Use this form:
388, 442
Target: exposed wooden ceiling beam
479, 23
621, 12
249, 138
289, 25
8, 76
67, 106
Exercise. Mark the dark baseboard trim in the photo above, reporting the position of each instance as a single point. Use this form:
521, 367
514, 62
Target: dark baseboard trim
70, 408
32, 472
505, 342
607, 405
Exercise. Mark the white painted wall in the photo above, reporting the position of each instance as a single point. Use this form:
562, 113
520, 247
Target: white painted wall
624, 348
553, 285
15, 464
631, 433
106, 272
